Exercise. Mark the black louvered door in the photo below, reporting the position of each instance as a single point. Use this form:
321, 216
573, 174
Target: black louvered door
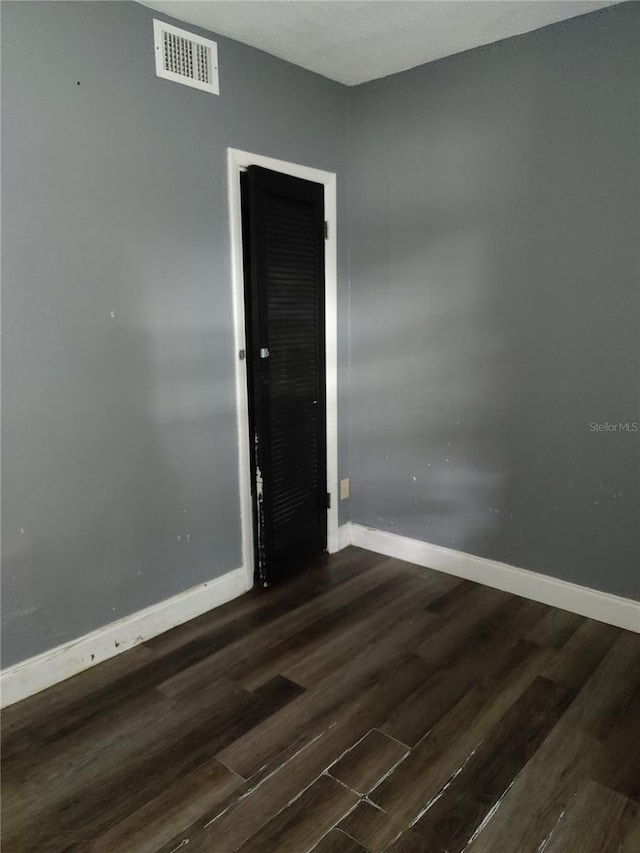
283, 236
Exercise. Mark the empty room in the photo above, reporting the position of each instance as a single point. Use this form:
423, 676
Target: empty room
320, 426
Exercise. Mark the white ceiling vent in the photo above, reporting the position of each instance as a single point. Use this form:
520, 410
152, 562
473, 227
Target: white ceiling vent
185, 58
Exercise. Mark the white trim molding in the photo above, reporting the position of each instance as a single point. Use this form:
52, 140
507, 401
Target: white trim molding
238, 161
57, 664
344, 535
612, 609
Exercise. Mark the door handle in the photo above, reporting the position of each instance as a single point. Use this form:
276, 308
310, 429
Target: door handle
264, 352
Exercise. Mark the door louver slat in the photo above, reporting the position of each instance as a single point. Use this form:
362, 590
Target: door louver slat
292, 330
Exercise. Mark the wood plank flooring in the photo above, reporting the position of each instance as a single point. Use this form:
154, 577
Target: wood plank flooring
366, 705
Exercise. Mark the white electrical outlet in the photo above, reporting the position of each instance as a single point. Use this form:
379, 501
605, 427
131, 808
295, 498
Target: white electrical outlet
344, 489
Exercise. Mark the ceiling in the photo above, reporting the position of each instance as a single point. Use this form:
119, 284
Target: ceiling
361, 40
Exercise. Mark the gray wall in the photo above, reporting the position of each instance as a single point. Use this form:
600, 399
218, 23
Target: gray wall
495, 301
120, 480
494, 259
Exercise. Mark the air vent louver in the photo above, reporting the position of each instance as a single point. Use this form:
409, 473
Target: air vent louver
185, 58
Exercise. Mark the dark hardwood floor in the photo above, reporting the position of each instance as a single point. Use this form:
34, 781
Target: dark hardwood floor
366, 706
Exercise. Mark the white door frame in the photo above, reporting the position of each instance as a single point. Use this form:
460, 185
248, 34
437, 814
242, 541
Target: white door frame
238, 161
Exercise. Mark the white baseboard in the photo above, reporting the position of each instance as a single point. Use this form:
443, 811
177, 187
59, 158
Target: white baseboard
42, 671
57, 664
612, 609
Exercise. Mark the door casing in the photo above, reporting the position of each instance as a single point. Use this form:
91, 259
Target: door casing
238, 161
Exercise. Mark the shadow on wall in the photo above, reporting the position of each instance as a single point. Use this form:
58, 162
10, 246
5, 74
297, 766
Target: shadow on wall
495, 318
436, 458
432, 345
